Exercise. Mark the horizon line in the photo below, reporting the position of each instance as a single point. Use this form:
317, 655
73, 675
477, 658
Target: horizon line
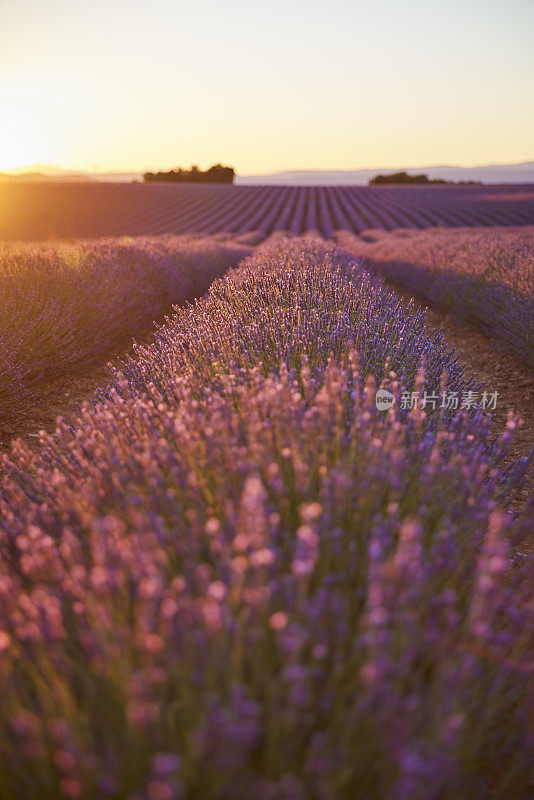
97, 171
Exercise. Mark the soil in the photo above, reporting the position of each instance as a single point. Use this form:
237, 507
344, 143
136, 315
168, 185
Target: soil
500, 372
491, 365
64, 396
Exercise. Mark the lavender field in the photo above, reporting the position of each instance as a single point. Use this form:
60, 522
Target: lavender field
66, 305
266, 400
233, 577
43, 211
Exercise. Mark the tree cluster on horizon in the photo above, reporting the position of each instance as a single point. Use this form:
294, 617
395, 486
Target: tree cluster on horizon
215, 174
405, 177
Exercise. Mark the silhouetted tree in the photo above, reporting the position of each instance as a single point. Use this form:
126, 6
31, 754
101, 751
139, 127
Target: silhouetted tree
215, 174
404, 177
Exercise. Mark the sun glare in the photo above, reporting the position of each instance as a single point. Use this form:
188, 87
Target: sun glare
22, 140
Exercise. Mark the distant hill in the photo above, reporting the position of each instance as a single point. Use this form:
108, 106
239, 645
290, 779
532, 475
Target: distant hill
39, 177
492, 173
46, 172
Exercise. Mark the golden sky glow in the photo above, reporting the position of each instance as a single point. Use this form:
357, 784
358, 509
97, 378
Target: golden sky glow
129, 85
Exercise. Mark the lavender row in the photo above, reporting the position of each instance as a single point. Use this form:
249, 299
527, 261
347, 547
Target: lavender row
66, 305
274, 307
234, 577
485, 277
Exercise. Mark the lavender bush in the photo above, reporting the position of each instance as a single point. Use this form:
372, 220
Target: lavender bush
275, 307
245, 581
65, 305
483, 276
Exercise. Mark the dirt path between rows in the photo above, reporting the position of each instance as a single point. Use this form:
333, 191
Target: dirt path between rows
491, 364
64, 395
499, 371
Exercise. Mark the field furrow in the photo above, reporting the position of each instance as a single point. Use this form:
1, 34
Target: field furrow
68, 211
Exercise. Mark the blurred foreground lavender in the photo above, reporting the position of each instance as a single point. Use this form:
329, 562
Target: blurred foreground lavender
66, 305
236, 578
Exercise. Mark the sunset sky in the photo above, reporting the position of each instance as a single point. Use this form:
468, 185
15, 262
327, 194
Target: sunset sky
344, 84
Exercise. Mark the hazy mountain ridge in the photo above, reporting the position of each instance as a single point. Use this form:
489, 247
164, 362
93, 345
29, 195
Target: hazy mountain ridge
51, 173
491, 173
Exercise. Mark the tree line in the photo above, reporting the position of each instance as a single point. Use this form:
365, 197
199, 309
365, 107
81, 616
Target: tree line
405, 177
215, 174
